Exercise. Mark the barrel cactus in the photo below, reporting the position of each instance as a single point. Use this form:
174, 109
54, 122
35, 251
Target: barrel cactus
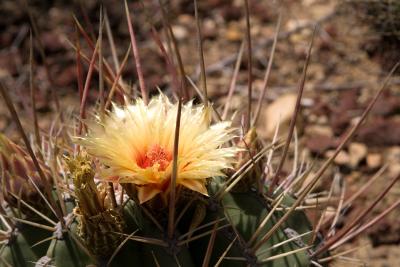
214, 221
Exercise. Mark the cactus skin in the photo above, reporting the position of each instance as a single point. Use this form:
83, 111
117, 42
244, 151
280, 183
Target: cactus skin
244, 212
65, 252
17, 252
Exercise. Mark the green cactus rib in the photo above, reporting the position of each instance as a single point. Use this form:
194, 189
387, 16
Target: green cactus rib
66, 252
150, 254
244, 212
18, 253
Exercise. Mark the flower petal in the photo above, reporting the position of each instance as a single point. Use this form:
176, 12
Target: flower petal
135, 142
195, 185
145, 193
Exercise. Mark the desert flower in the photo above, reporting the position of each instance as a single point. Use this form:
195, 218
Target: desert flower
135, 144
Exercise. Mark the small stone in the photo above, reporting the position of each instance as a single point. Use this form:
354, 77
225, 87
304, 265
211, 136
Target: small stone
322, 119
185, 20
312, 118
319, 130
307, 102
210, 29
392, 157
342, 158
374, 160
233, 33
180, 32
279, 112
357, 152
294, 23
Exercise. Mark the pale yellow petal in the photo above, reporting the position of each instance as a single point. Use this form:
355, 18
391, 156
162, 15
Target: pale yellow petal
124, 140
195, 185
145, 193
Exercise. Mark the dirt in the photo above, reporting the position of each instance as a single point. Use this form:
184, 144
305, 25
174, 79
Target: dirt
346, 69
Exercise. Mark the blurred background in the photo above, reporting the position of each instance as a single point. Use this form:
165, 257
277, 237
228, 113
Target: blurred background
357, 44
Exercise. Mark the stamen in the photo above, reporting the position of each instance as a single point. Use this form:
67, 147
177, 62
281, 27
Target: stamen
155, 155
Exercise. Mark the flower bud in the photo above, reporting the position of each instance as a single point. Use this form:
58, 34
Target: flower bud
98, 225
17, 174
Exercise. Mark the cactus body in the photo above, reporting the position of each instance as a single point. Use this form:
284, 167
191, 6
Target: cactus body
101, 231
243, 213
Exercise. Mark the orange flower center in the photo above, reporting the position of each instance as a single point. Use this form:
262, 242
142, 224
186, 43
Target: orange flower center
155, 155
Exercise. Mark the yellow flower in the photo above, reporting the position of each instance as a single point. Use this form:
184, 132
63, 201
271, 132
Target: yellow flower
136, 143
